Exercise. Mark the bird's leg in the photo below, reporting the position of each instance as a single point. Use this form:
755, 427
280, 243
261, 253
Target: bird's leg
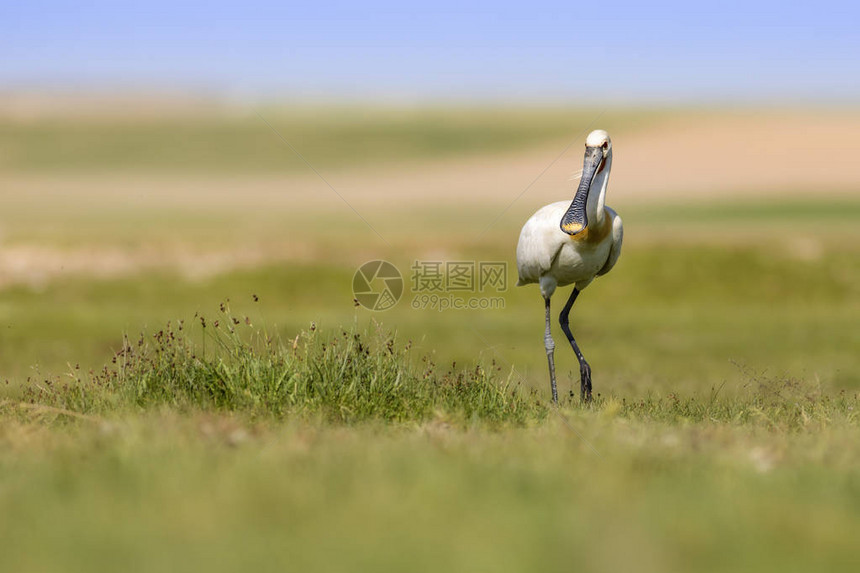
549, 344
584, 368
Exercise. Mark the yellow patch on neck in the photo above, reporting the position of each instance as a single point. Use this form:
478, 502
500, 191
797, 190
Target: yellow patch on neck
591, 234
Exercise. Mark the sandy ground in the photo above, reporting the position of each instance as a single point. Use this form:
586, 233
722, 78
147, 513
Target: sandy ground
724, 155
713, 155
728, 155
35, 265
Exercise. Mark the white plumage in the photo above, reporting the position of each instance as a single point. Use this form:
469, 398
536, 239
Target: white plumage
548, 255
572, 243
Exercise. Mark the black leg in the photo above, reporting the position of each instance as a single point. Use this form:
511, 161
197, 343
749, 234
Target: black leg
549, 344
584, 368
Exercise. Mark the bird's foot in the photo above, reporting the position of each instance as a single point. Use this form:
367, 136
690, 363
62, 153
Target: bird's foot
585, 381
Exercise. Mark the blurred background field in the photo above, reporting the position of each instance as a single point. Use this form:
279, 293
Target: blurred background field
736, 258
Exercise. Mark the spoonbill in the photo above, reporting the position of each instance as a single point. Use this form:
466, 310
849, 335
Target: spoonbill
572, 243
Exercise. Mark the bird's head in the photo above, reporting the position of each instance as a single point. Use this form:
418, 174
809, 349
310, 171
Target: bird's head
598, 153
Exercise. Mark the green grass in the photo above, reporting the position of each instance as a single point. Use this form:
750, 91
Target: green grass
723, 438
352, 377
326, 137
197, 491
668, 318
357, 377
324, 437
776, 211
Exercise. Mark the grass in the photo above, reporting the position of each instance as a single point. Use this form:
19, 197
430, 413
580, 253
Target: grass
222, 492
779, 212
343, 450
357, 377
326, 137
323, 437
365, 460
349, 378
228, 365
669, 318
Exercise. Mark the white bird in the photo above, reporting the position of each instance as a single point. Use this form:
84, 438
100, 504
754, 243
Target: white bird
573, 243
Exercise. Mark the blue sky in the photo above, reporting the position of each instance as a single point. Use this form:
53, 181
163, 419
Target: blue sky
675, 52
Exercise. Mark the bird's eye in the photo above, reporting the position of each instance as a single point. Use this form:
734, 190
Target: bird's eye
605, 145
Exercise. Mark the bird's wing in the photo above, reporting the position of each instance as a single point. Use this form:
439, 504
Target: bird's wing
617, 238
540, 242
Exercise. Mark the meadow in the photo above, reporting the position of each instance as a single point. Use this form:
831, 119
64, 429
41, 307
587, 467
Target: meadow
312, 434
